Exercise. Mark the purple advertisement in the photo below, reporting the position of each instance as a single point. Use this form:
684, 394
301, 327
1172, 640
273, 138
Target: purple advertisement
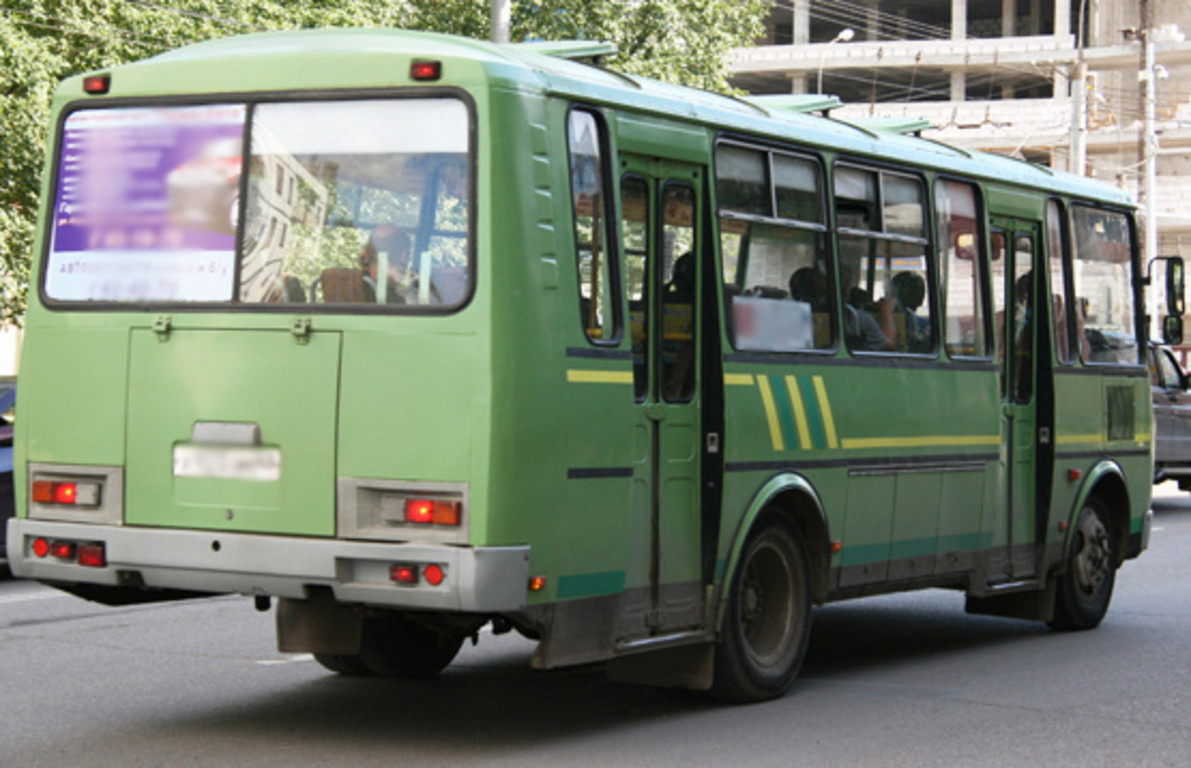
146, 204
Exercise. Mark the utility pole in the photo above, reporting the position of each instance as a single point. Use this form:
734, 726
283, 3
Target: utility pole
1077, 162
1147, 146
500, 21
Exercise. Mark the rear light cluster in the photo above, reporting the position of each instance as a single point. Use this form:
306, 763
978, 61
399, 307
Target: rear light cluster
412, 574
66, 493
87, 553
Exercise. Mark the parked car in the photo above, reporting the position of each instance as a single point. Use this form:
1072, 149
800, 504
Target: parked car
8, 402
1172, 417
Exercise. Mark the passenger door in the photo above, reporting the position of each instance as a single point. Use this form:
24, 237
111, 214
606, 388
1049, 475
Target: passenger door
661, 212
1015, 247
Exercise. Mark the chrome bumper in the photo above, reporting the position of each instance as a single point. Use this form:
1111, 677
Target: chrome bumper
478, 579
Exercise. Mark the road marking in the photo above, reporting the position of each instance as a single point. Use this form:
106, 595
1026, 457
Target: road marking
29, 598
295, 659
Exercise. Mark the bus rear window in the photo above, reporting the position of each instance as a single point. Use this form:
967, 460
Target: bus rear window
346, 203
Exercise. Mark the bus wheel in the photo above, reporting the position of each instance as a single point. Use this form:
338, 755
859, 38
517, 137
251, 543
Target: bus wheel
343, 664
767, 619
1083, 592
393, 645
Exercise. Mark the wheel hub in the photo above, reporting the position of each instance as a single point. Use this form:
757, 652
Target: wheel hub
1093, 557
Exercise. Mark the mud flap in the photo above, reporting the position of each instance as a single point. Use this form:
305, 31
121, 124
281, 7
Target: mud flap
318, 625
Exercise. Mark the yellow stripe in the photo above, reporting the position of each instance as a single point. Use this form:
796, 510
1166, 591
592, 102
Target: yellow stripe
775, 429
738, 379
857, 443
1075, 439
599, 377
804, 432
825, 408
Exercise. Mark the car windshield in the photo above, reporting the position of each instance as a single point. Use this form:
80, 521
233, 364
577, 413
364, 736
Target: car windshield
335, 203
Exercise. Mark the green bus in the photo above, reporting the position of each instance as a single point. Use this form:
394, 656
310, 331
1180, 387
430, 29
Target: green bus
417, 334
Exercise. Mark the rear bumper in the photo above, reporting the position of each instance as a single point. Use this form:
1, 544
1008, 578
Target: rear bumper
478, 579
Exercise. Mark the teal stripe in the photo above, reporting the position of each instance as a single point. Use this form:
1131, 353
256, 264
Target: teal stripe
785, 412
591, 584
814, 417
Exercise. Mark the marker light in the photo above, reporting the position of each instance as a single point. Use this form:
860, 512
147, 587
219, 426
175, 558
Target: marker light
425, 70
93, 555
433, 575
537, 583
403, 573
97, 85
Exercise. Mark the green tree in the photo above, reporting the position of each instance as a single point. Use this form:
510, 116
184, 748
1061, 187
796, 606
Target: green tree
43, 41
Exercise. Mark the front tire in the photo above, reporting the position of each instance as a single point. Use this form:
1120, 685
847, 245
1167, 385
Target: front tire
767, 619
1084, 591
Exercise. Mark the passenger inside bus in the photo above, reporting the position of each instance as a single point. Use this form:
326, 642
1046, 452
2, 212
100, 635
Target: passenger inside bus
909, 291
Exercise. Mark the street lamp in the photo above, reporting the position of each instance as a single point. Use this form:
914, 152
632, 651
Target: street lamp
845, 34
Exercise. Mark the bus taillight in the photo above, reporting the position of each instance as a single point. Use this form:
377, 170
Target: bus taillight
65, 492
432, 511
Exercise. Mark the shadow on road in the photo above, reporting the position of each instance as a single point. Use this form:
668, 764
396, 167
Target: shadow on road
481, 707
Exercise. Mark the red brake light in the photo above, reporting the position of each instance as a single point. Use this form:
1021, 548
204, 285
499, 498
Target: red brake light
425, 70
403, 573
97, 85
62, 549
93, 555
434, 575
419, 511
65, 493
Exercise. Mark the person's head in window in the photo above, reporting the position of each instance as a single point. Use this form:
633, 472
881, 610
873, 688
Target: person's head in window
389, 243
809, 286
682, 279
909, 289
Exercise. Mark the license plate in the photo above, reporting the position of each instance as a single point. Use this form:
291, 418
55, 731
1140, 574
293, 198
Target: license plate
228, 463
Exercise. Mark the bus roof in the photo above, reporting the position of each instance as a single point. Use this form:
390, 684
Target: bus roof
552, 68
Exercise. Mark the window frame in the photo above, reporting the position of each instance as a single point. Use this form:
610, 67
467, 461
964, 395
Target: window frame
982, 258
615, 290
250, 100
927, 242
1136, 274
823, 229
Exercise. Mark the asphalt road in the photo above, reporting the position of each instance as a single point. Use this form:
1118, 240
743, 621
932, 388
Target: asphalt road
902, 680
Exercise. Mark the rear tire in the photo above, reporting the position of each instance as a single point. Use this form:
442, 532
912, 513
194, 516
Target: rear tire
346, 664
1084, 591
393, 645
767, 619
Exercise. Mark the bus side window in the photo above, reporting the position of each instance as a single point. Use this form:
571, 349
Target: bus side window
1103, 270
598, 294
1065, 322
959, 242
884, 261
776, 264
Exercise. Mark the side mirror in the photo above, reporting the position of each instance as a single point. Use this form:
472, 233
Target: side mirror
1175, 303
1172, 329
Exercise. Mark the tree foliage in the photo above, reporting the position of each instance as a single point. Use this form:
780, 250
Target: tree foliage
43, 41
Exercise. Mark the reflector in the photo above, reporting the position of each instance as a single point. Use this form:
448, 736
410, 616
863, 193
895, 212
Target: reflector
92, 555
41, 547
433, 575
